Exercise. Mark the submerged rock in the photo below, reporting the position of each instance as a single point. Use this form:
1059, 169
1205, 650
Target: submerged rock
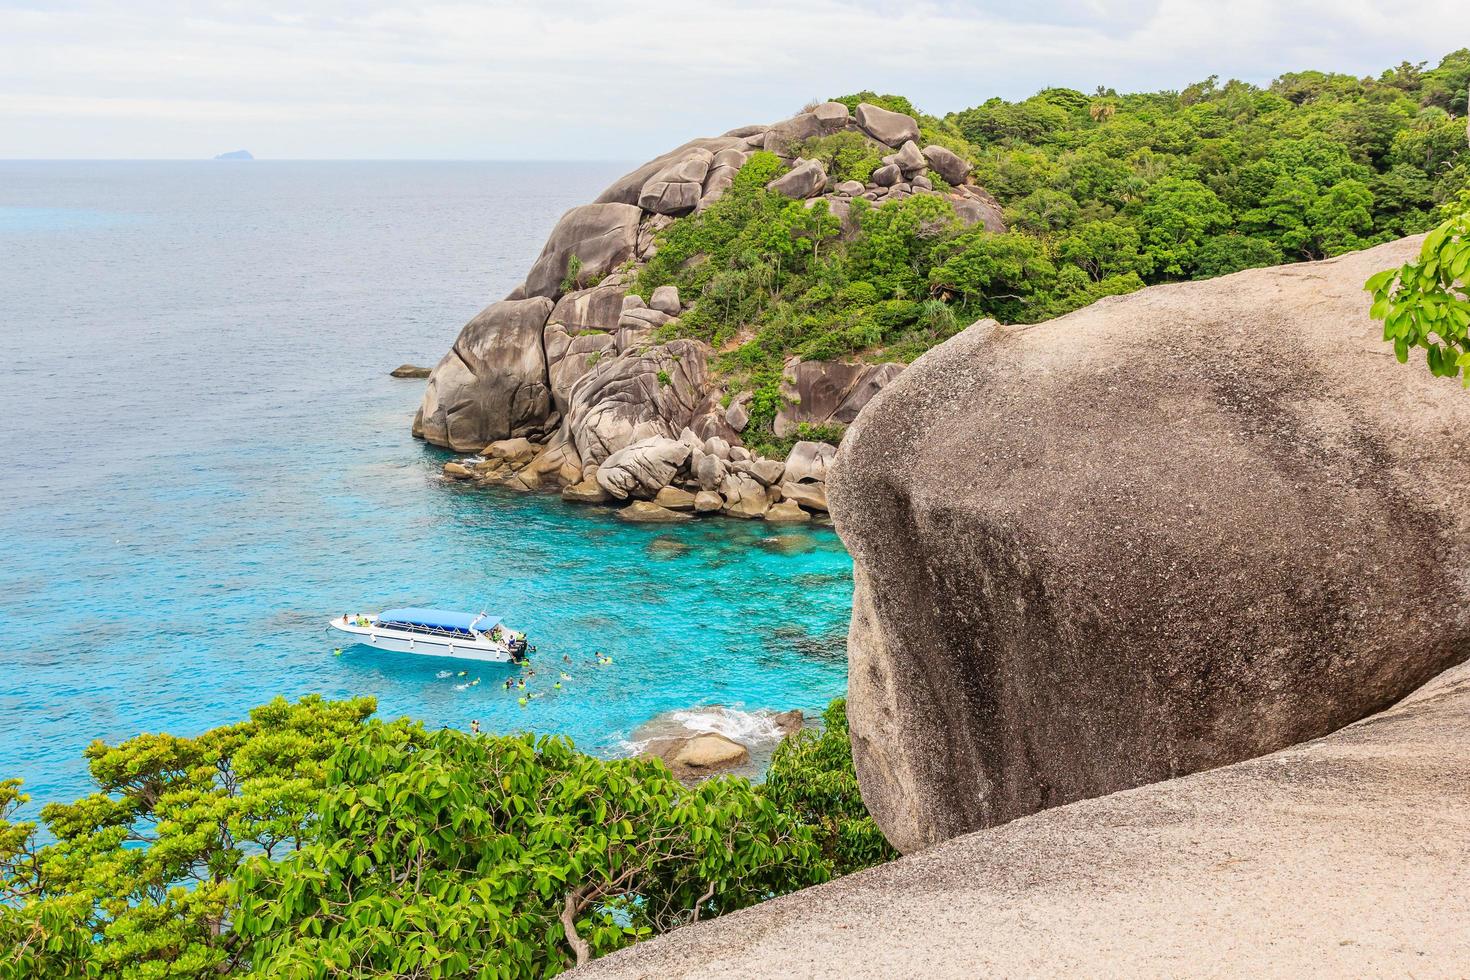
647, 512
1167, 532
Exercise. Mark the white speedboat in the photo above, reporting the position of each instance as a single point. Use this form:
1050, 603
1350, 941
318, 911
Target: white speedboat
436, 633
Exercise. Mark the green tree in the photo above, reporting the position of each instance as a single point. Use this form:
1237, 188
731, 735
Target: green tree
444, 854
136, 882
1177, 217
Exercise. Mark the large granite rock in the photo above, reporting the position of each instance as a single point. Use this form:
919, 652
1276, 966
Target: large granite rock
828, 392
493, 383
629, 187
975, 206
643, 468
601, 236
886, 126
948, 164
806, 179
1344, 857
658, 391
677, 186
1167, 532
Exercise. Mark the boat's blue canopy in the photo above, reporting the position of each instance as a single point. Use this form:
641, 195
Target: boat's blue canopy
439, 619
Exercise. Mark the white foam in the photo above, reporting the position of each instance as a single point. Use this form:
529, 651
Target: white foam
749, 728
444, 673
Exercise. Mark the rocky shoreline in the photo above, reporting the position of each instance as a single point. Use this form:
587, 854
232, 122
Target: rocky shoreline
570, 385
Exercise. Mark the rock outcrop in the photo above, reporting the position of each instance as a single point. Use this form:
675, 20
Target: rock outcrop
1165, 533
1342, 857
828, 392
409, 371
493, 383
575, 362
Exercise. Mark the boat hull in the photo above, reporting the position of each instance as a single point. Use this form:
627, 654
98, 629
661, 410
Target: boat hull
422, 646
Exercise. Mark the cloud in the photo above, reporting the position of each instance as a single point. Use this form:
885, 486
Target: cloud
582, 79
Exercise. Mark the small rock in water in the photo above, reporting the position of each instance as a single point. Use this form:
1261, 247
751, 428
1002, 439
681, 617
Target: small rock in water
409, 371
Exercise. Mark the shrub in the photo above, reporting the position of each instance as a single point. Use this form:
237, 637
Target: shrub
812, 777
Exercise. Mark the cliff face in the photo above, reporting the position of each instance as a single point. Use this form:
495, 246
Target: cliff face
1168, 532
570, 359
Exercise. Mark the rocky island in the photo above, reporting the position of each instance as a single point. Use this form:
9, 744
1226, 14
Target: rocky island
582, 380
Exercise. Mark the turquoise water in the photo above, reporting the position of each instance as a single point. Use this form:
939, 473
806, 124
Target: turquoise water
202, 459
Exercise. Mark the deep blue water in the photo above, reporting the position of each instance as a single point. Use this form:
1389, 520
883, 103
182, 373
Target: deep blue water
202, 459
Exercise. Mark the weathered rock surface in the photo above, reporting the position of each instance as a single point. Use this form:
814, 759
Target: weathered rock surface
674, 499
643, 468
677, 187
885, 126
627, 188
1342, 857
809, 461
601, 236
658, 392
665, 299
744, 495
711, 751
976, 207
493, 383
1164, 533
948, 164
787, 512
828, 392
832, 115
410, 371
806, 179
908, 159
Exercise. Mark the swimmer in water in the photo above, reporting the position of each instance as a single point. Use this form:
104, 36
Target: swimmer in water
475, 726
337, 652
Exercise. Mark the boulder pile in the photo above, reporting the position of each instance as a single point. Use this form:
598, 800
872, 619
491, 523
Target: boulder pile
567, 385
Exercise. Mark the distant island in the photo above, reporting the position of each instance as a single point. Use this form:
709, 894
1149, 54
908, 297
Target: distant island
236, 155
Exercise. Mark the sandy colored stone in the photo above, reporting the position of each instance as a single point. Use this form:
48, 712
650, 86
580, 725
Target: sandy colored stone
647, 512
707, 502
787, 512
410, 371
1167, 532
674, 499
711, 751
457, 471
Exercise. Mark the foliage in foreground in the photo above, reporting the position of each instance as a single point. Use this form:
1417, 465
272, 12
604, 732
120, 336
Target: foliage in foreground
137, 881
310, 841
1425, 302
444, 854
812, 778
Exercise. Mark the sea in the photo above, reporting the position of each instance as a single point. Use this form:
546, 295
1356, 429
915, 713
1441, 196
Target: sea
203, 459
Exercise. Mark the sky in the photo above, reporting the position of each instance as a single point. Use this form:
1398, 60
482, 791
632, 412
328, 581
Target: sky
619, 80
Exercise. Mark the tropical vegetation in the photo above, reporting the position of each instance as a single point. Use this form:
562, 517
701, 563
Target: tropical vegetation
315, 841
1103, 193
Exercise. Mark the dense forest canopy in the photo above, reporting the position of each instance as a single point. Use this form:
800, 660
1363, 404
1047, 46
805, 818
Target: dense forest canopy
1104, 193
